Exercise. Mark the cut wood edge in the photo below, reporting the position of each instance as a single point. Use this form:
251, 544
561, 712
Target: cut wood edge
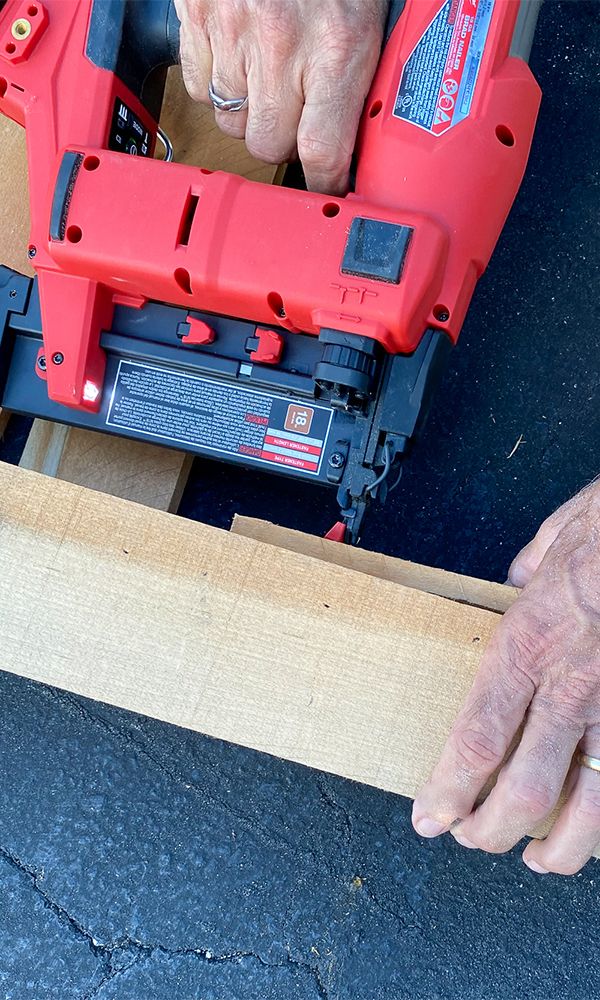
465, 589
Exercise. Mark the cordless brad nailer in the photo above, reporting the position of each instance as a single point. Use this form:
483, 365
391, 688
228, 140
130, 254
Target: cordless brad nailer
261, 325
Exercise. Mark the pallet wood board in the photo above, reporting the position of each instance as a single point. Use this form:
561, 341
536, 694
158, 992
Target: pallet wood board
226, 635
480, 593
133, 470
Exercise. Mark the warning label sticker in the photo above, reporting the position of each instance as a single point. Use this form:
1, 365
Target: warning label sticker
438, 81
190, 410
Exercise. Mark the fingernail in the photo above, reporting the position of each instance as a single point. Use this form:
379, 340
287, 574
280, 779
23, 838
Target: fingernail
429, 827
535, 867
464, 841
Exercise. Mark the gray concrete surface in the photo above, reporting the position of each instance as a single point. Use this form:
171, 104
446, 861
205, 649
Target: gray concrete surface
142, 862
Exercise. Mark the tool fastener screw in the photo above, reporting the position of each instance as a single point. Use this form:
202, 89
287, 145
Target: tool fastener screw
41, 363
31, 252
336, 460
58, 358
21, 29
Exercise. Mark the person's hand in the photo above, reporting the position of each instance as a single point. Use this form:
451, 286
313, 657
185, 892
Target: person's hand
306, 66
542, 666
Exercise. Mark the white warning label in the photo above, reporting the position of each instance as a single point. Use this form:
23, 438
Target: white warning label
438, 81
210, 416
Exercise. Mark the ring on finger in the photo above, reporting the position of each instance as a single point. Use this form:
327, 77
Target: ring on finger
226, 104
586, 760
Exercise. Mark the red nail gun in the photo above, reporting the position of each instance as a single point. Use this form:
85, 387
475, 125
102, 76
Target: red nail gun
261, 325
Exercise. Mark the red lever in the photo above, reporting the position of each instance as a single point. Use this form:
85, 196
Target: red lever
270, 347
200, 332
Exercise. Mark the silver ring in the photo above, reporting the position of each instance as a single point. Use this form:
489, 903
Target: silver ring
586, 761
168, 145
224, 104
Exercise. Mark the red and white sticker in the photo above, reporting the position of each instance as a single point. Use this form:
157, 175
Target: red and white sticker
292, 450
438, 80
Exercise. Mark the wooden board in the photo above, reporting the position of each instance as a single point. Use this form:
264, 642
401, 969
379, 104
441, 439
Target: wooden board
480, 593
229, 636
14, 200
135, 469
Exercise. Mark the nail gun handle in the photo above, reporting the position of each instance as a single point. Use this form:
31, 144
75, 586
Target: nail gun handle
447, 130
152, 29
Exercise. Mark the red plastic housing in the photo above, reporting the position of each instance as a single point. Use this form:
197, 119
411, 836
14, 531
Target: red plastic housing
143, 229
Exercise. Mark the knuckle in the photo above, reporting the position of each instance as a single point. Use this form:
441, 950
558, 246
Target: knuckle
267, 137
567, 701
477, 750
230, 126
339, 47
264, 147
322, 153
264, 122
526, 642
533, 796
521, 647
348, 36
587, 810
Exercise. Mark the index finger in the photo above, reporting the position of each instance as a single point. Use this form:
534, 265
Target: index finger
482, 733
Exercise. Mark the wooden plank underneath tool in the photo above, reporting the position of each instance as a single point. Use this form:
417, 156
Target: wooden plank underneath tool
134, 470
229, 636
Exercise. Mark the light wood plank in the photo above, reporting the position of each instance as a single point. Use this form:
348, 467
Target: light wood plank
480, 593
44, 447
138, 470
132, 470
14, 200
229, 636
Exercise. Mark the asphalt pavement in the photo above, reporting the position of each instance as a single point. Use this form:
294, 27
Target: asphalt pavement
139, 861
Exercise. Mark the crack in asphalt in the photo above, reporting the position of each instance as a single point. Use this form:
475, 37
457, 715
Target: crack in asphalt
209, 798
140, 951
328, 796
315, 857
